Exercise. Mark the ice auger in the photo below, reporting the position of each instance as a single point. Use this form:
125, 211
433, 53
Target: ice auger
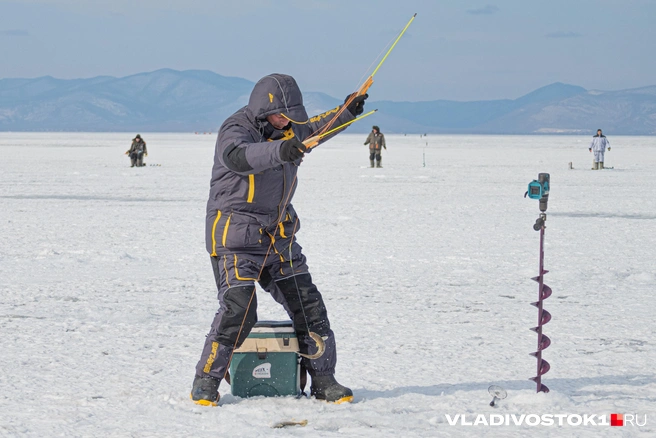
539, 189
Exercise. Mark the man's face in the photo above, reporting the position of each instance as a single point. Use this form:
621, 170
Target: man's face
599, 132
277, 121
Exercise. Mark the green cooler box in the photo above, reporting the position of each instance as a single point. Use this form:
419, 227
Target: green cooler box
267, 364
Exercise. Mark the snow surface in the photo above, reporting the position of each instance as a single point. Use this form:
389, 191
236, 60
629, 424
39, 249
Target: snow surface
107, 292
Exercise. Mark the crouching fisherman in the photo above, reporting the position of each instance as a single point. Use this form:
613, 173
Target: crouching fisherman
251, 229
137, 151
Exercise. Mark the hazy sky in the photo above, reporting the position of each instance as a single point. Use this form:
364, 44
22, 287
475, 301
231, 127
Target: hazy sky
460, 50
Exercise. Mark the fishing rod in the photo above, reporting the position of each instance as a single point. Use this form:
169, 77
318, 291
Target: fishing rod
370, 80
313, 141
367, 84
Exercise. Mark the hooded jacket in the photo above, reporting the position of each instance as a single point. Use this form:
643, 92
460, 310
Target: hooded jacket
251, 188
599, 143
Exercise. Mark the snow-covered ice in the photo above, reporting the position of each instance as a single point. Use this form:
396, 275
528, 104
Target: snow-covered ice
106, 291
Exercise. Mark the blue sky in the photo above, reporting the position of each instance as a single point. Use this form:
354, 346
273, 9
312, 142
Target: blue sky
459, 50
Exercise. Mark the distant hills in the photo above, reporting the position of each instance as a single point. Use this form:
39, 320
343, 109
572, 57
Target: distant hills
178, 101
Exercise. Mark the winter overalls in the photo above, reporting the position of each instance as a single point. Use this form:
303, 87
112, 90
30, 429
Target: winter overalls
598, 146
376, 142
251, 229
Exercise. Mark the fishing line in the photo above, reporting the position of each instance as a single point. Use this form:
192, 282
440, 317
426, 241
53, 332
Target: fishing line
361, 81
367, 84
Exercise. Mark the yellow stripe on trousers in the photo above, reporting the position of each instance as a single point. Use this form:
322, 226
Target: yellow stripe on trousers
216, 221
211, 358
237, 273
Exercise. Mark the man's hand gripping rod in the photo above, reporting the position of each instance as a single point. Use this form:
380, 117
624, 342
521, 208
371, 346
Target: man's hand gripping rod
314, 140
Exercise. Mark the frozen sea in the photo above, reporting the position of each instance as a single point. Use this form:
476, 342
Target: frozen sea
106, 291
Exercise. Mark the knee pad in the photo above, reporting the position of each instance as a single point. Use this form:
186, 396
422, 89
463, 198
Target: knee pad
237, 311
306, 304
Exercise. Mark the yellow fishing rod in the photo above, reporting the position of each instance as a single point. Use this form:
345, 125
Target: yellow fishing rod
370, 80
314, 141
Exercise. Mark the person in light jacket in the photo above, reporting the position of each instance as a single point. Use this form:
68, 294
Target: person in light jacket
376, 142
598, 147
251, 228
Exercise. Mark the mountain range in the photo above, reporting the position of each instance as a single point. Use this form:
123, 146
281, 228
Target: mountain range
197, 100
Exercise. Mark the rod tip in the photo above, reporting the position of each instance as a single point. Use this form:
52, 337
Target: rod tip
415, 14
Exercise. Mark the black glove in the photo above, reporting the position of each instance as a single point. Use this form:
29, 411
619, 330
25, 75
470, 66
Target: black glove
356, 107
292, 149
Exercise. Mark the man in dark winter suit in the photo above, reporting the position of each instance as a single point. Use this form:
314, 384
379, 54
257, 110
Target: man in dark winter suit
251, 229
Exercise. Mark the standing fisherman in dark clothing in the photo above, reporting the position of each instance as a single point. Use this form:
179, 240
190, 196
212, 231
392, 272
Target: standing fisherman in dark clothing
251, 229
376, 142
137, 151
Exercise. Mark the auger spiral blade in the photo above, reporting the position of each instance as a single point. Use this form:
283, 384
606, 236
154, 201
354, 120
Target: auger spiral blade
546, 292
543, 368
541, 387
544, 317
543, 343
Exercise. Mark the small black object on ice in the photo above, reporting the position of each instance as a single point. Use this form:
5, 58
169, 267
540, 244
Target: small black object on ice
498, 393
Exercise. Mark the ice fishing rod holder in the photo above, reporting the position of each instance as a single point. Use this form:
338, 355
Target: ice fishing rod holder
539, 189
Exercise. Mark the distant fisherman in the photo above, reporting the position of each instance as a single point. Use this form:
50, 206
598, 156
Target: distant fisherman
137, 151
376, 142
598, 147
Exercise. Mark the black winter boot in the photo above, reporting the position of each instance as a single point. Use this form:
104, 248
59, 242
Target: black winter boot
205, 391
326, 388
